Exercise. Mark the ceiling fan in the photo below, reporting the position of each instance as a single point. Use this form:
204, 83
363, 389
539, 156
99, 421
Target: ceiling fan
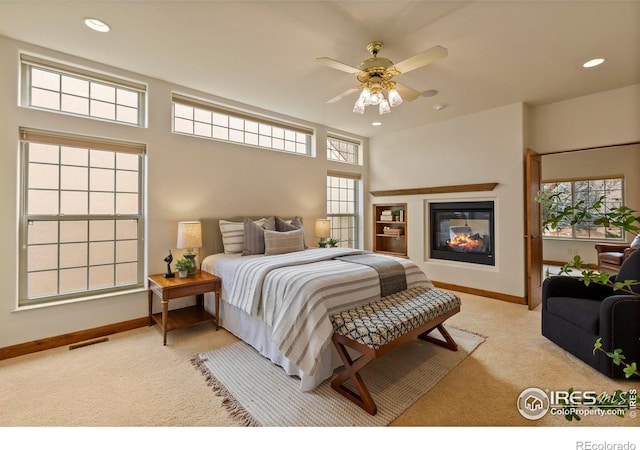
376, 74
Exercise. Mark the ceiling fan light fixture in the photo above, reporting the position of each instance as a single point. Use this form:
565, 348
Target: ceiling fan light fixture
384, 106
358, 108
394, 98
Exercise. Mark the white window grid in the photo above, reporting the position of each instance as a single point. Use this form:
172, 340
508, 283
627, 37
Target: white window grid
67, 92
342, 150
81, 228
570, 192
204, 123
342, 209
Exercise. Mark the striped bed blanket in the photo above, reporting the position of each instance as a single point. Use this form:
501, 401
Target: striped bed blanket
296, 293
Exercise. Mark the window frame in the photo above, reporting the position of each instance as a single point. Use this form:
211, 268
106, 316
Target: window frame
574, 235
354, 230
248, 120
29, 62
356, 154
26, 219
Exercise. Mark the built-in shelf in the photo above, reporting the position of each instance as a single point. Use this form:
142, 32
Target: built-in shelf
390, 236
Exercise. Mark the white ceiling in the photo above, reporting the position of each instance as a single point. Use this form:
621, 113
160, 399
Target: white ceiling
263, 53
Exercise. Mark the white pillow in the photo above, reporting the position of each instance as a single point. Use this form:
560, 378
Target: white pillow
279, 242
233, 235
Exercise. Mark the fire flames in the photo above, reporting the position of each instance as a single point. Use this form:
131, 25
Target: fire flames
463, 242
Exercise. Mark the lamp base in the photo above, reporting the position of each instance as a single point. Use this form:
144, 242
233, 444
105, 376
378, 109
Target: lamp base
192, 257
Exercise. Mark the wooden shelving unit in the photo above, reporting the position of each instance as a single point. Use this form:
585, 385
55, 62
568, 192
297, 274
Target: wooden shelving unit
390, 232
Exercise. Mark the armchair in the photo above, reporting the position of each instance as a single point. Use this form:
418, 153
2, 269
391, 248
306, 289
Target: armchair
611, 256
574, 315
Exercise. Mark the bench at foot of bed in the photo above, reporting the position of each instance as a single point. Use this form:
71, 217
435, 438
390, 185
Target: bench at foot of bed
380, 326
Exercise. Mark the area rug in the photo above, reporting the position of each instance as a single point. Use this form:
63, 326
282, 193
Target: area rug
261, 394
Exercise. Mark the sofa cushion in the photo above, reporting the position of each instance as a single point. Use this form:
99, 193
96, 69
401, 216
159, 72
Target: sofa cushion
581, 312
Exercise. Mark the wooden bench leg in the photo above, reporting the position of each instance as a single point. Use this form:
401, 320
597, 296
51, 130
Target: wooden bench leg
350, 372
448, 341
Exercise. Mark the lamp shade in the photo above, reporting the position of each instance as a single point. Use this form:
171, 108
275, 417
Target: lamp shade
189, 234
323, 228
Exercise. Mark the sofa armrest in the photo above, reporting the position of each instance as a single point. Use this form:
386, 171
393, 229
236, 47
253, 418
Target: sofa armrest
620, 325
565, 286
600, 248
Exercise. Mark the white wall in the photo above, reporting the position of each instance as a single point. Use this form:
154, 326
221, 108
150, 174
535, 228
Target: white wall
604, 119
607, 118
187, 179
479, 148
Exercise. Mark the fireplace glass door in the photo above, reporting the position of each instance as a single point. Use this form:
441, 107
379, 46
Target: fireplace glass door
462, 231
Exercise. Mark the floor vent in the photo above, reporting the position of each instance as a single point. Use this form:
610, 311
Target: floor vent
84, 344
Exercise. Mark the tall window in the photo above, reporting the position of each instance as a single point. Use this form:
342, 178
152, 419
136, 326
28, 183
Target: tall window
342, 208
55, 87
81, 222
570, 193
342, 150
204, 120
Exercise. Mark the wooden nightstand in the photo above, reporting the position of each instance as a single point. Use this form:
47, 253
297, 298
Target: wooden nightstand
170, 288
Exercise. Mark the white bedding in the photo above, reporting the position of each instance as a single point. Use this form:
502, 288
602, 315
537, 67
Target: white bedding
279, 304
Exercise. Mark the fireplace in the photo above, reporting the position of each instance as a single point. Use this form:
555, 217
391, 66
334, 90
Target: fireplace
462, 231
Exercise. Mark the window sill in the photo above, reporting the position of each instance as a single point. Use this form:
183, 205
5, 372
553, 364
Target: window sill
79, 299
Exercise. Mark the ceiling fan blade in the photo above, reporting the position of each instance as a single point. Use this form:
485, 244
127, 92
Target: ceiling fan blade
407, 93
343, 95
336, 65
422, 59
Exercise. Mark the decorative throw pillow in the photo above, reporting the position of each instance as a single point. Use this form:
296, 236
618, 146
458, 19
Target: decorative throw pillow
232, 236
279, 242
254, 235
290, 225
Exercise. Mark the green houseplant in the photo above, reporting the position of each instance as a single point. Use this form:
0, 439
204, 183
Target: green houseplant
183, 265
620, 216
332, 242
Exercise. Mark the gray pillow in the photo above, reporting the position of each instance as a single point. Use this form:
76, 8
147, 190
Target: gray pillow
279, 242
254, 235
290, 225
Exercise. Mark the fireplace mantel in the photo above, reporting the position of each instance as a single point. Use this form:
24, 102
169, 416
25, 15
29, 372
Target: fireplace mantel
438, 189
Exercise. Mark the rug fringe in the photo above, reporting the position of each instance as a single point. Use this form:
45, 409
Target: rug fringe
466, 331
229, 402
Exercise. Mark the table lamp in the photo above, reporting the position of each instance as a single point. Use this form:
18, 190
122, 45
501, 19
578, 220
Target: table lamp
190, 237
323, 231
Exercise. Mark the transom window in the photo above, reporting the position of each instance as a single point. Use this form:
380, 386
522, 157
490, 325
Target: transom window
570, 193
342, 150
209, 121
81, 221
342, 208
60, 88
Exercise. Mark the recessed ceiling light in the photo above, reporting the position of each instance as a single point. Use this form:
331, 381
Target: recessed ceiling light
376, 124
593, 62
439, 107
96, 24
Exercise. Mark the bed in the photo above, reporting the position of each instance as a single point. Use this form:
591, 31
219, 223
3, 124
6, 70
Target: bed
279, 303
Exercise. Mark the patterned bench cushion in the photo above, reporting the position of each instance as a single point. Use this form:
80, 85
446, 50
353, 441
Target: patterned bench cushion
382, 321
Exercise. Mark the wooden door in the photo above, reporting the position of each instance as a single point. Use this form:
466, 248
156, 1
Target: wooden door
533, 236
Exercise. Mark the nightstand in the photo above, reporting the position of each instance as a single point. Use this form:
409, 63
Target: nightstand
170, 288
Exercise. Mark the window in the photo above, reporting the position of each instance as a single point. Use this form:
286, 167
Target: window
81, 222
342, 208
342, 150
55, 87
204, 120
570, 193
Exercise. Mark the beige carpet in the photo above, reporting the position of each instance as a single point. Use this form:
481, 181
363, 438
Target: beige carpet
257, 391
133, 380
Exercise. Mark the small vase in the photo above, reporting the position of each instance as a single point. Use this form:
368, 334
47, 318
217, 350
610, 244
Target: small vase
182, 273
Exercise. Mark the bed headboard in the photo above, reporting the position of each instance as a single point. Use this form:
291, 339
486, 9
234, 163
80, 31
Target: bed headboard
211, 237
